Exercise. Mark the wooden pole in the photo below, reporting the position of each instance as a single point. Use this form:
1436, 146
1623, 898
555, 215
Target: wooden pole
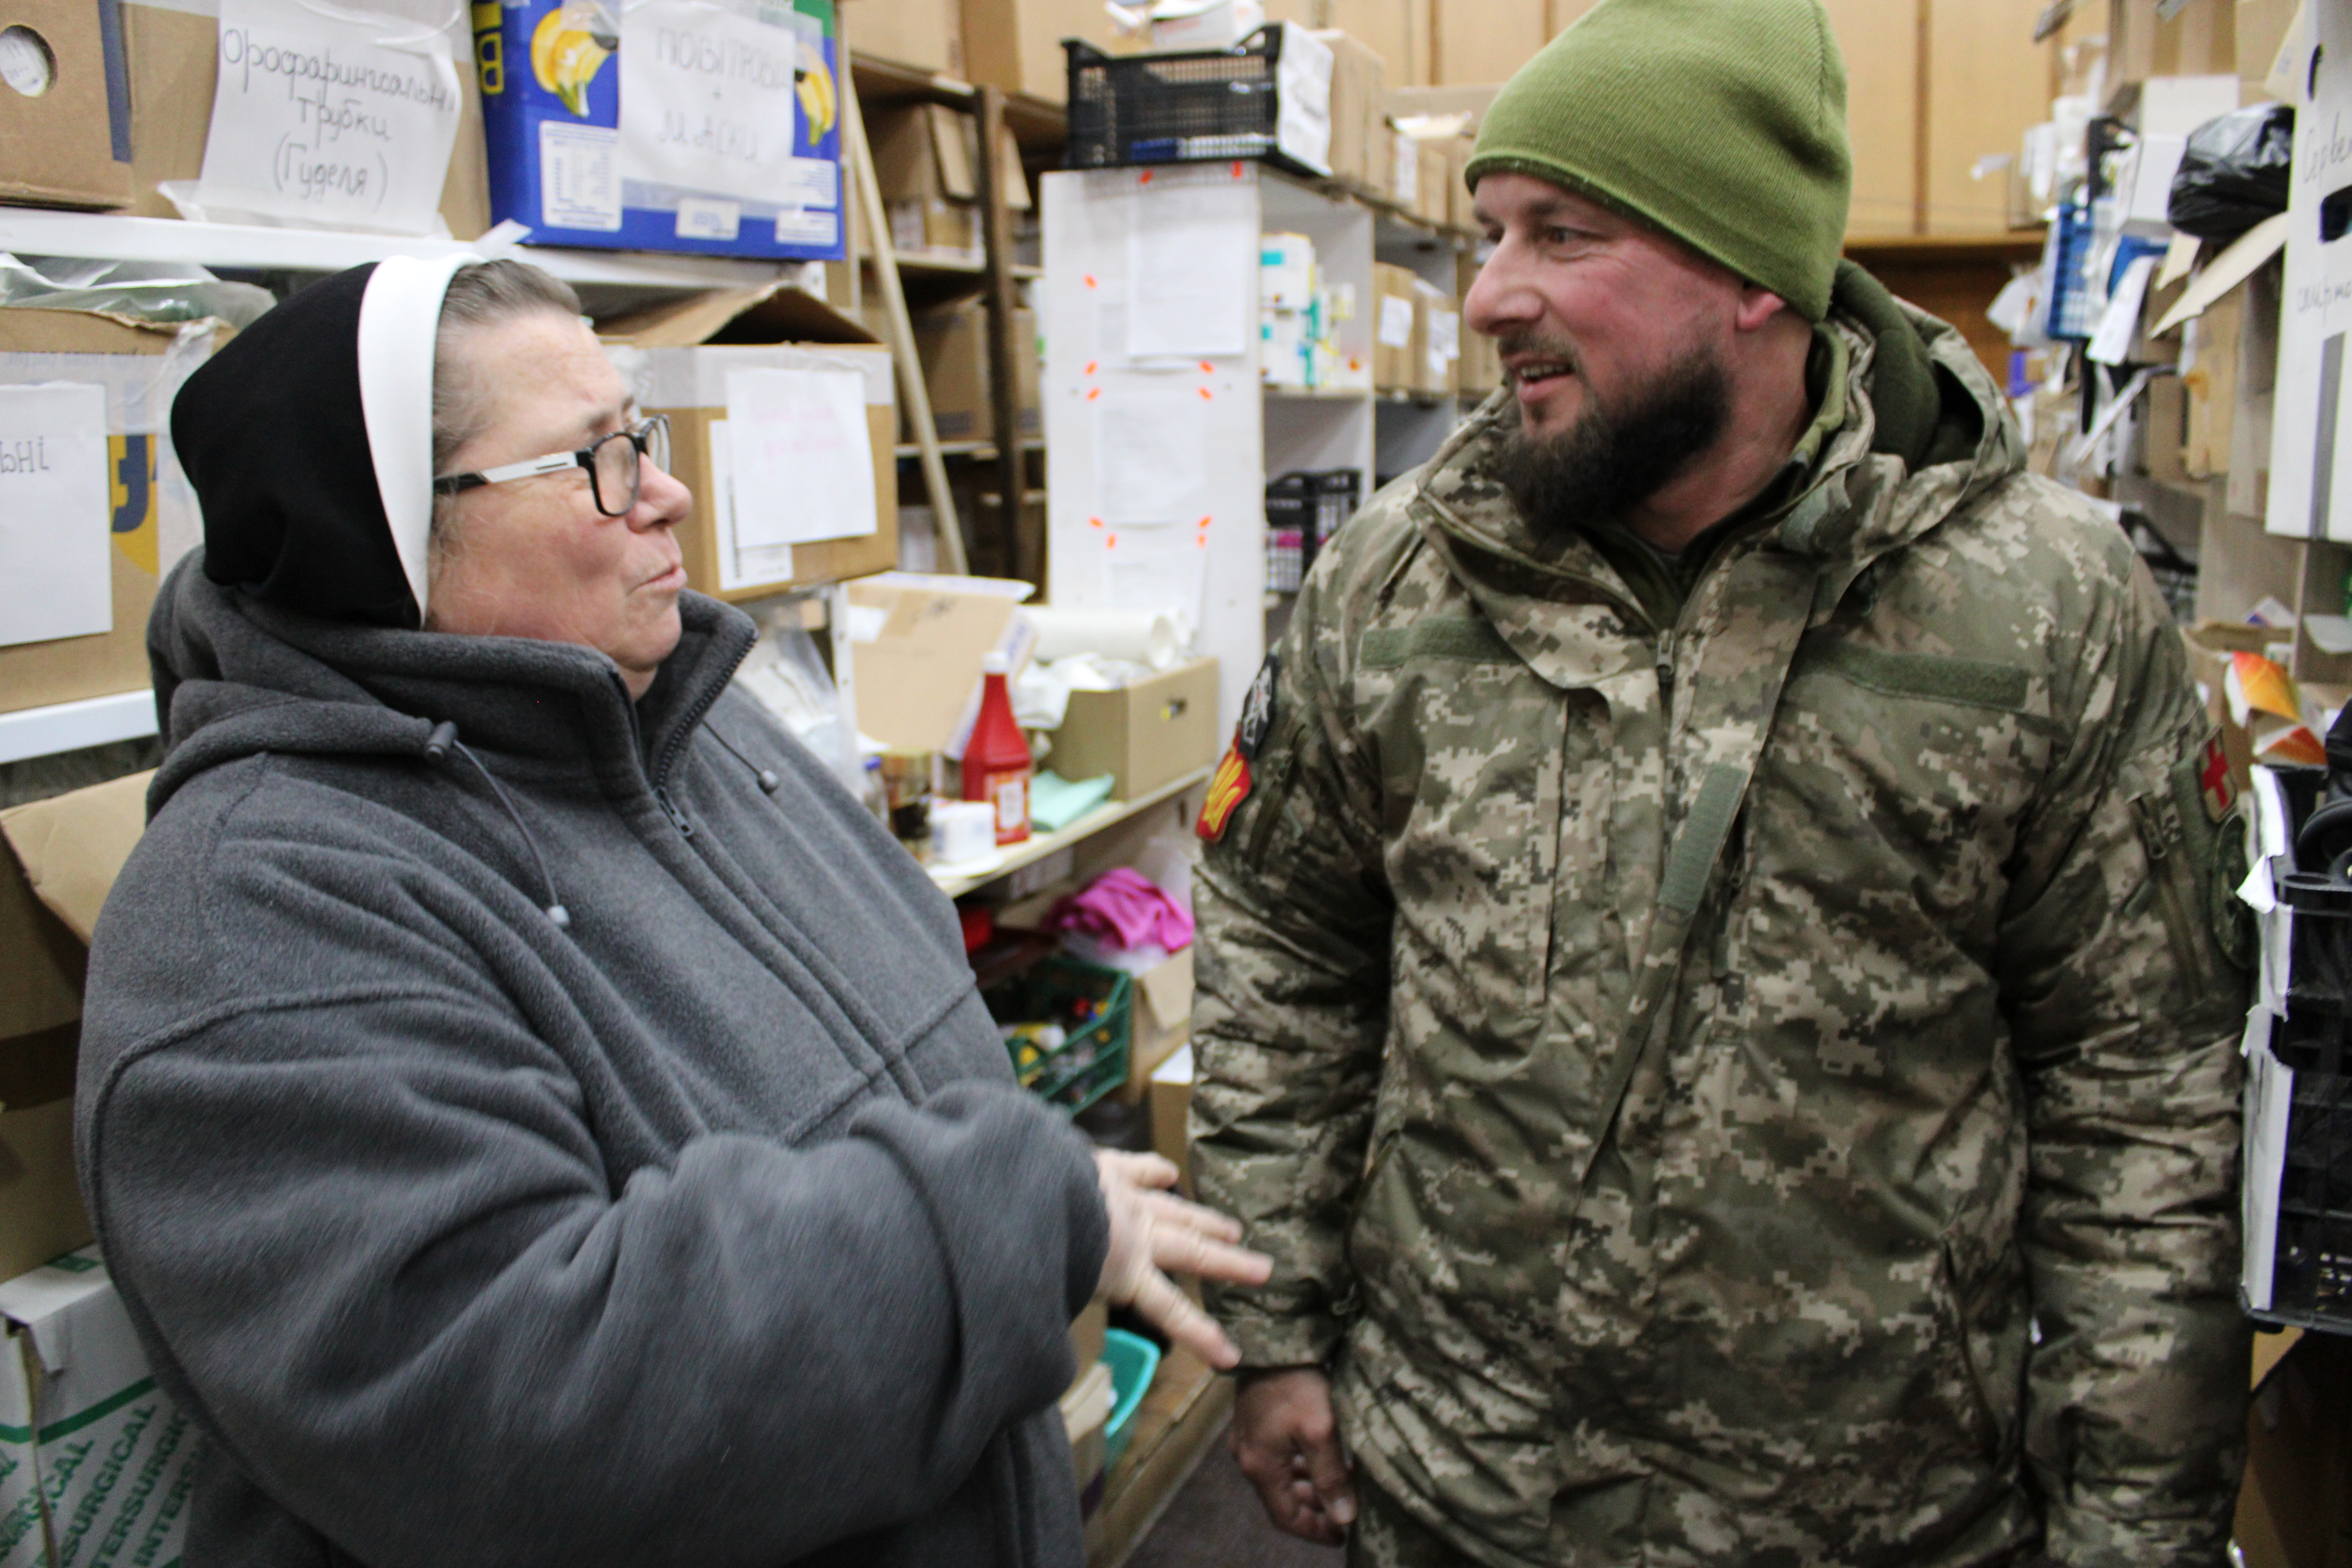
1004, 299
911, 390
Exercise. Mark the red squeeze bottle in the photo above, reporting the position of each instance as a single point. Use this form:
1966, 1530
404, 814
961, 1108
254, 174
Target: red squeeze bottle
996, 765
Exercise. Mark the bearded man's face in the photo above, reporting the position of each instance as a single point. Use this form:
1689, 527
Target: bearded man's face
1618, 450
1615, 337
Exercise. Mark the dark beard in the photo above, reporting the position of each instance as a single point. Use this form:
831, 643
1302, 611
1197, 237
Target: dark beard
1614, 459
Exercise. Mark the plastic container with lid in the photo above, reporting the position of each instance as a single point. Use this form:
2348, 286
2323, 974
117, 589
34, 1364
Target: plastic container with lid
996, 762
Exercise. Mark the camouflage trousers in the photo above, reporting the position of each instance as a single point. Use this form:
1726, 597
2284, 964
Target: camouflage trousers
1386, 1536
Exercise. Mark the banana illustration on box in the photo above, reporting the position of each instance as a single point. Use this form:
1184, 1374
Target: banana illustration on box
568, 49
820, 96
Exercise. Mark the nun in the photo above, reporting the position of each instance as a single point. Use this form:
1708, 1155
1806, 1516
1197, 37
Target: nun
531, 1112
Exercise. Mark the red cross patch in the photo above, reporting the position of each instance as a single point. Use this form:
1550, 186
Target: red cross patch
2213, 781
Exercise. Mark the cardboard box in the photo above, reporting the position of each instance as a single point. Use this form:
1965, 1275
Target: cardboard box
1433, 198
1162, 1024
1085, 1420
65, 132
925, 34
555, 162
676, 357
1086, 1334
924, 155
1457, 185
1172, 1111
173, 62
954, 347
915, 650
1479, 41
1436, 341
2294, 1506
1145, 735
1394, 311
62, 859
1017, 45
2307, 426
1480, 369
100, 1463
154, 518
1358, 113
1398, 31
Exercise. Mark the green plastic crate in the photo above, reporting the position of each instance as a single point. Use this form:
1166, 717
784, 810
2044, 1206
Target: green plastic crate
1092, 1060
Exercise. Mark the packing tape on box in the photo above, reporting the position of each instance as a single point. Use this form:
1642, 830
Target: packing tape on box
1139, 636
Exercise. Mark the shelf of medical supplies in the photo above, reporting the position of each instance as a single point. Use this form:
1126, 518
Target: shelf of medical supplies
955, 884
71, 726
30, 231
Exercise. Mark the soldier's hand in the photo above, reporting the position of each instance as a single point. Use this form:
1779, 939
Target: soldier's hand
1152, 1232
1287, 1442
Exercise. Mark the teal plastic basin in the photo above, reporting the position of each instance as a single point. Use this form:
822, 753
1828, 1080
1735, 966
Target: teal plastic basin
1133, 1362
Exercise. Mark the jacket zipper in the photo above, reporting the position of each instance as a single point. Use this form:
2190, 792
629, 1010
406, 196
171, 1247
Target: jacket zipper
1666, 675
668, 759
2162, 836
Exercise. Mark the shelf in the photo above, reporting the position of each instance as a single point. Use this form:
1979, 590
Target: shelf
951, 264
1336, 394
985, 451
2022, 245
955, 884
29, 231
71, 726
1035, 123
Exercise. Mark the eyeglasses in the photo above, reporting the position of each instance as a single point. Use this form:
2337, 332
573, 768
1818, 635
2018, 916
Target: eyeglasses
613, 463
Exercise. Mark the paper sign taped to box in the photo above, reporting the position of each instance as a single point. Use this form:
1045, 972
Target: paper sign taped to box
707, 105
55, 513
330, 117
803, 457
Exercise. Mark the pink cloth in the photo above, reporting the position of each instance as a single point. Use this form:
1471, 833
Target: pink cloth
1124, 909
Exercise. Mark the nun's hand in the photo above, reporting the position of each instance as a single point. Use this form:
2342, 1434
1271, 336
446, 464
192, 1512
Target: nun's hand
1153, 1234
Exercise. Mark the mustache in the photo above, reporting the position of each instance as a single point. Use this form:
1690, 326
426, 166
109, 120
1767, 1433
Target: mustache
1512, 345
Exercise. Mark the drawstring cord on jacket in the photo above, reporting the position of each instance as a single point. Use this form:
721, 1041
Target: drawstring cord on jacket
769, 782
444, 741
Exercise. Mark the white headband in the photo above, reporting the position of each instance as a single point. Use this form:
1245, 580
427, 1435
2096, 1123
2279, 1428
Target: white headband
400, 316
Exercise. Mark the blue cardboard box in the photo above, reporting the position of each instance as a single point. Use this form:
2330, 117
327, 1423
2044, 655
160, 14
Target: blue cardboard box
706, 126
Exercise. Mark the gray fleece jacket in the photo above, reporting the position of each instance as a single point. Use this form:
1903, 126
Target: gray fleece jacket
708, 1230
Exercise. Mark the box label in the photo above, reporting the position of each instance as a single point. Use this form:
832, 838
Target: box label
336, 118
579, 187
708, 217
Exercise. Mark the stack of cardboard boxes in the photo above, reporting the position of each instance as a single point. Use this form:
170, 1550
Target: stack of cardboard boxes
1417, 336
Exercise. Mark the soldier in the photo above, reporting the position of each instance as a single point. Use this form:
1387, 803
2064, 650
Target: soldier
1720, 988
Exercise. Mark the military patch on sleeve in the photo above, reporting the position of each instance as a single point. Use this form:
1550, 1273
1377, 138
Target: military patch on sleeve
1231, 785
2213, 780
1227, 789
1258, 711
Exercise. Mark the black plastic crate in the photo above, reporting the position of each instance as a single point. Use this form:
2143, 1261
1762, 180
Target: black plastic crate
2312, 1265
1303, 511
1194, 107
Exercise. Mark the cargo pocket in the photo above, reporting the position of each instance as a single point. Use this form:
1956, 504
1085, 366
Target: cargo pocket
2179, 875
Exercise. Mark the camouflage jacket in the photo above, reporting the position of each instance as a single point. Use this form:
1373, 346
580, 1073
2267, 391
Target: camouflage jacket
1761, 1090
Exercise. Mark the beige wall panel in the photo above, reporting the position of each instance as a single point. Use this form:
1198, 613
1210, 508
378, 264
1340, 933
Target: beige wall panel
1880, 40
1988, 83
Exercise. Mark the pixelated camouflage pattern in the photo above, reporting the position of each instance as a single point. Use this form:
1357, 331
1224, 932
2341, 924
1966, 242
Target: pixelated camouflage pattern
1667, 1207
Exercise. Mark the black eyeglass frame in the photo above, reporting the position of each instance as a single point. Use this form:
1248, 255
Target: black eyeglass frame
644, 435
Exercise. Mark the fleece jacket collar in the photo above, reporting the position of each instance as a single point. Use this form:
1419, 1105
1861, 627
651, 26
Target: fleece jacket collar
235, 677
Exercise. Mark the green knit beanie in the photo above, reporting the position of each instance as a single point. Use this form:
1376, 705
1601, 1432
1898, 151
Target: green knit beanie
1720, 122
